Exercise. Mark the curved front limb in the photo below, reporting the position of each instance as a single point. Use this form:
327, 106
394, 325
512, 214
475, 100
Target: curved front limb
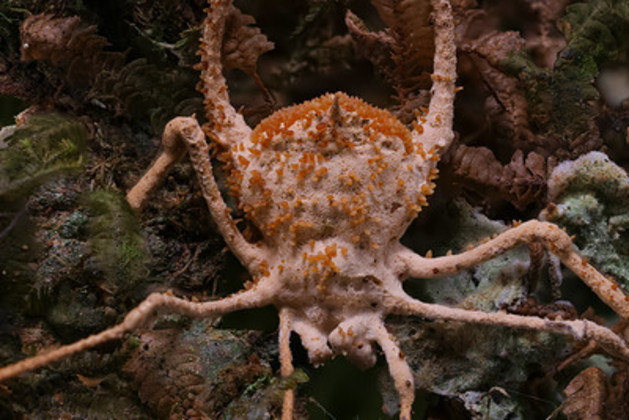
398, 368
437, 132
581, 330
555, 239
254, 297
225, 124
181, 133
286, 362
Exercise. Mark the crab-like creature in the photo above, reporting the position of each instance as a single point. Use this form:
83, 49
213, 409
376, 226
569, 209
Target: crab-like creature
332, 184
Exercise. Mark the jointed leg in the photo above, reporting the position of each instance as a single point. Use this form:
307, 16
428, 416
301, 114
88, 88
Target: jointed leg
173, 150
399, 369
557, 241
247, 299
225, 125
286, 362
181, 133
437, 132
579, 329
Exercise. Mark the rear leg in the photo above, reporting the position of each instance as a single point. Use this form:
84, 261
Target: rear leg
255, 297
286, 363
581, 330
555, 239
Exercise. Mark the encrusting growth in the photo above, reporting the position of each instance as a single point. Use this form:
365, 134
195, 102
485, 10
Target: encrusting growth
332, 184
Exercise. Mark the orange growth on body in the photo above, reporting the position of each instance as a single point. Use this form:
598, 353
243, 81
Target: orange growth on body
380, 120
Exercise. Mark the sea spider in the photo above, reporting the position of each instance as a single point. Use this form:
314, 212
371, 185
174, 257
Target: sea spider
332, 184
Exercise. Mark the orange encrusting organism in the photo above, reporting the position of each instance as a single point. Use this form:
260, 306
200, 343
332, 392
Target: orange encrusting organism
380, 120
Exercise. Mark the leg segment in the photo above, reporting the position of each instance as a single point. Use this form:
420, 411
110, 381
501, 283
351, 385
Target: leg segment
181, 133
555, 239
354, 337
579, 329
313, 339
399, 369
436, 133
173, 150
225, 125
286, 363
248, 299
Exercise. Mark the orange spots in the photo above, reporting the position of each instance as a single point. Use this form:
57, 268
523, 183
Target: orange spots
427, 189
243, 161
234, 180
419, 129
321, 264
380, 121
264, 268
351, 179
321, 171
256, 179
330, 251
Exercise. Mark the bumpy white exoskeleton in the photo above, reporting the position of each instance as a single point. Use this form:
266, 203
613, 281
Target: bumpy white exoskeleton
332, 184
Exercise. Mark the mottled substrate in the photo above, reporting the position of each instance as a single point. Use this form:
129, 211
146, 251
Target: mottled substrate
201, 371
473, 363
591, 199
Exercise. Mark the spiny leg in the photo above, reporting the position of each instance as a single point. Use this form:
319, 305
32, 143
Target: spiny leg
581, 330
432, 133
286, 362
225, 125
398, 368
437, 132
255, 297
185, 132
555, 239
